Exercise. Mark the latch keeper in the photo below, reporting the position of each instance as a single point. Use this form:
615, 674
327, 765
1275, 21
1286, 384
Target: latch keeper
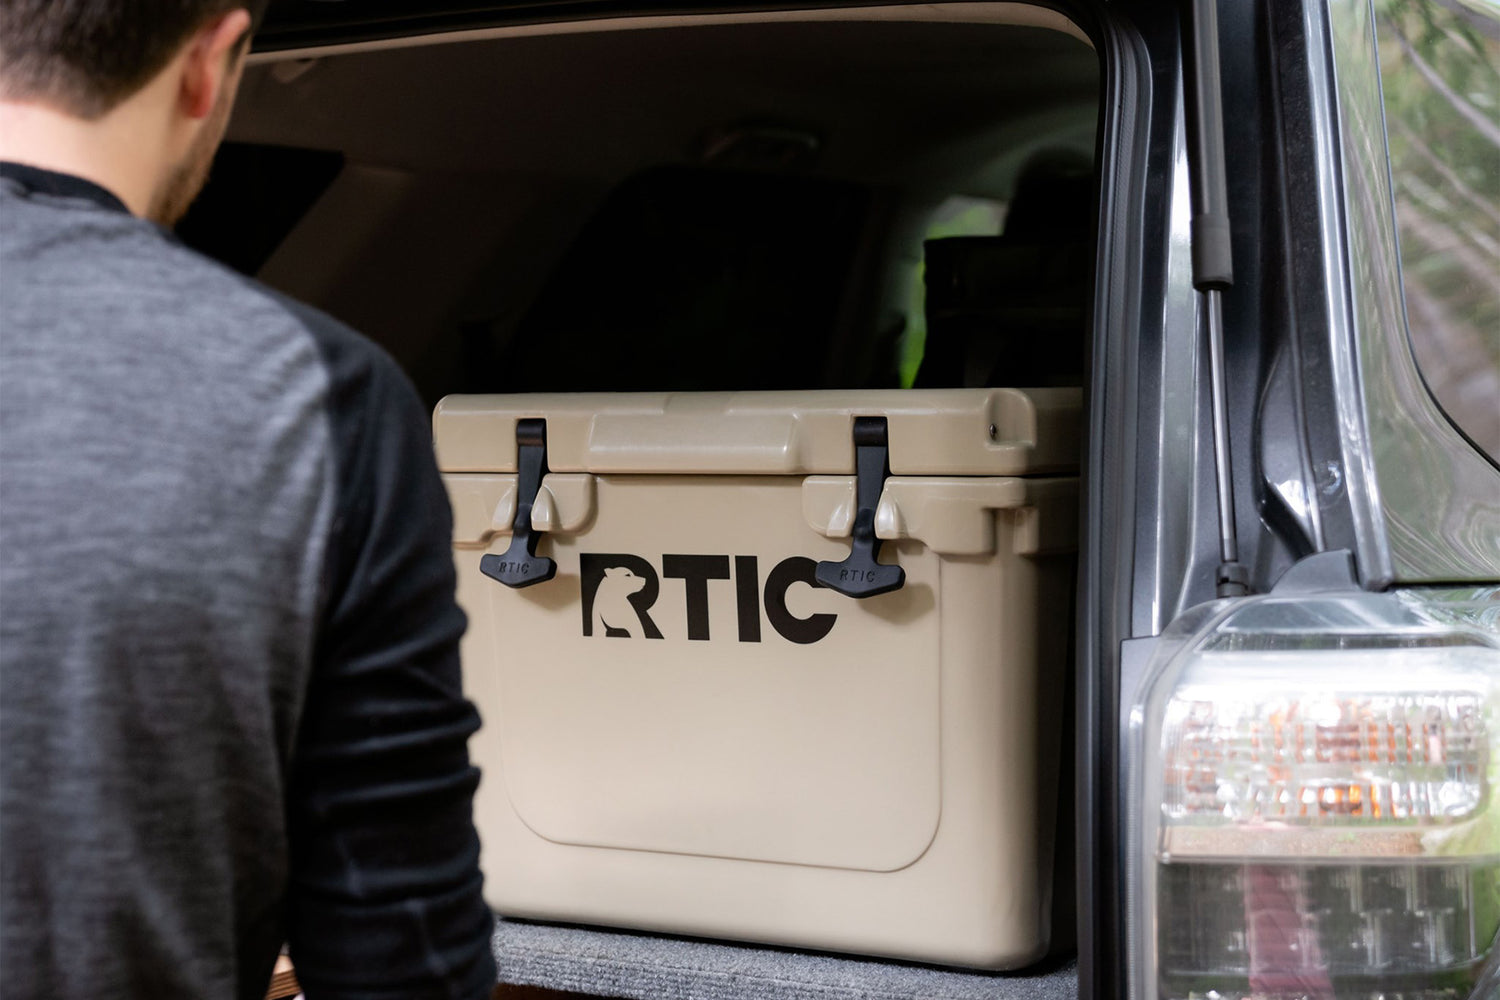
520, 566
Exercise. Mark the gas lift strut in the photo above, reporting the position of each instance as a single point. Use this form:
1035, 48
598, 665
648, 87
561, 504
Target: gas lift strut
1213, 267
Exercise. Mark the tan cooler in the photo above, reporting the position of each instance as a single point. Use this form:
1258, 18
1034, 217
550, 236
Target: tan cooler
780, 667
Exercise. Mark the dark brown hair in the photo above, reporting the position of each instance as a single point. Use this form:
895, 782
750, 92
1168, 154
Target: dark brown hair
86, 56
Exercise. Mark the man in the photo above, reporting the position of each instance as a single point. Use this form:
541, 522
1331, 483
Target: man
230, 707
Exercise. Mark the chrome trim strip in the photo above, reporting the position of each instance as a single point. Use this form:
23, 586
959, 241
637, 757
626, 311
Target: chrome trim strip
1172, 401
1360, 484
1434, 499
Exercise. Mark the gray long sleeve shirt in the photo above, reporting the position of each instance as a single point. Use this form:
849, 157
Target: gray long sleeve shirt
230, 705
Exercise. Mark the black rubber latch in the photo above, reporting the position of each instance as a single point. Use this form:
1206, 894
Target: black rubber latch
520, 566
861, 575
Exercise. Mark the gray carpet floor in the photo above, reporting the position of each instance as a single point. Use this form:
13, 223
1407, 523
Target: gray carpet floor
650, 967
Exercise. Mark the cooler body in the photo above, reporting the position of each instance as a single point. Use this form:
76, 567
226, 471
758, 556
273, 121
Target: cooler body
699, 720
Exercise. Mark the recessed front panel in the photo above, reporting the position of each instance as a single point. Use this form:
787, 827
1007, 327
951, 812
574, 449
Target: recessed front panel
683, 685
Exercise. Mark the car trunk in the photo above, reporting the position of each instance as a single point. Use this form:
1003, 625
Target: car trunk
859, 201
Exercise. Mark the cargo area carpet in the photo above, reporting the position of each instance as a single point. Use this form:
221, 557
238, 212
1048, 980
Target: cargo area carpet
652, 967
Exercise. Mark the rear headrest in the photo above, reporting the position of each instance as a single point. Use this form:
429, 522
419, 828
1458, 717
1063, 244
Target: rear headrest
1053, 201
1006, 313
694, 279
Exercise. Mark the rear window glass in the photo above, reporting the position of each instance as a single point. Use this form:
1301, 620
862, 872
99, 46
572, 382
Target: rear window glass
1440, 73
788, 203
255, 196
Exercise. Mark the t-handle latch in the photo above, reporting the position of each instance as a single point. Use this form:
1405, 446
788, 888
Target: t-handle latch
860, 575
520, 566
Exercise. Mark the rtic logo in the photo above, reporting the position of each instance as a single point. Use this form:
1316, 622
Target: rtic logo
620, 589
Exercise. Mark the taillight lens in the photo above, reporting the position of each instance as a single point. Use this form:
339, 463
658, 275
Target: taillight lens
1314, 795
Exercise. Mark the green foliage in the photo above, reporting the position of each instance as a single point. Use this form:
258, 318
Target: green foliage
1440, 74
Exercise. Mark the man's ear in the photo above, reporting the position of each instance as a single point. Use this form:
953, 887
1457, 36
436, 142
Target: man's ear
212, 54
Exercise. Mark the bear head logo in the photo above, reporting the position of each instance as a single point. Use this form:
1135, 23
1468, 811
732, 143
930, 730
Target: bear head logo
613, 615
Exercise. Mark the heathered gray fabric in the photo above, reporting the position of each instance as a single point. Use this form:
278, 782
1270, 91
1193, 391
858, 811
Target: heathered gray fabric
650, 967
162, 512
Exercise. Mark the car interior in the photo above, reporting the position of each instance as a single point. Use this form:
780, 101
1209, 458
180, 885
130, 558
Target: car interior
887, 197
773, 203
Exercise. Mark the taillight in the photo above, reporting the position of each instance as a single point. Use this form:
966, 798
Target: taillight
1314, 792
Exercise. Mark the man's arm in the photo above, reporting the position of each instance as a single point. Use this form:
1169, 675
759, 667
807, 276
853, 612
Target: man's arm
384, 895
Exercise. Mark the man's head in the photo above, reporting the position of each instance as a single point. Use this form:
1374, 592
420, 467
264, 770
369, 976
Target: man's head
165, 70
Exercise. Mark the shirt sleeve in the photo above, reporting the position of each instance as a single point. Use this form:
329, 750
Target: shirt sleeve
384, 897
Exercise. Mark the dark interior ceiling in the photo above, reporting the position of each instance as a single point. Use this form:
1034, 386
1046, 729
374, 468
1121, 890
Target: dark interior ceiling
920, 105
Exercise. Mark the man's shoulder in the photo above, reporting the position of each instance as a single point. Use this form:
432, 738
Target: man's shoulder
346, 353
349, 358
215, 287
76, 257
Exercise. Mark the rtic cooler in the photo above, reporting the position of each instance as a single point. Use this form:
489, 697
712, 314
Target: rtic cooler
779, 667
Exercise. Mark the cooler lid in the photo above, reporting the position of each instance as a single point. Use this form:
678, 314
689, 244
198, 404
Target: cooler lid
963, 432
